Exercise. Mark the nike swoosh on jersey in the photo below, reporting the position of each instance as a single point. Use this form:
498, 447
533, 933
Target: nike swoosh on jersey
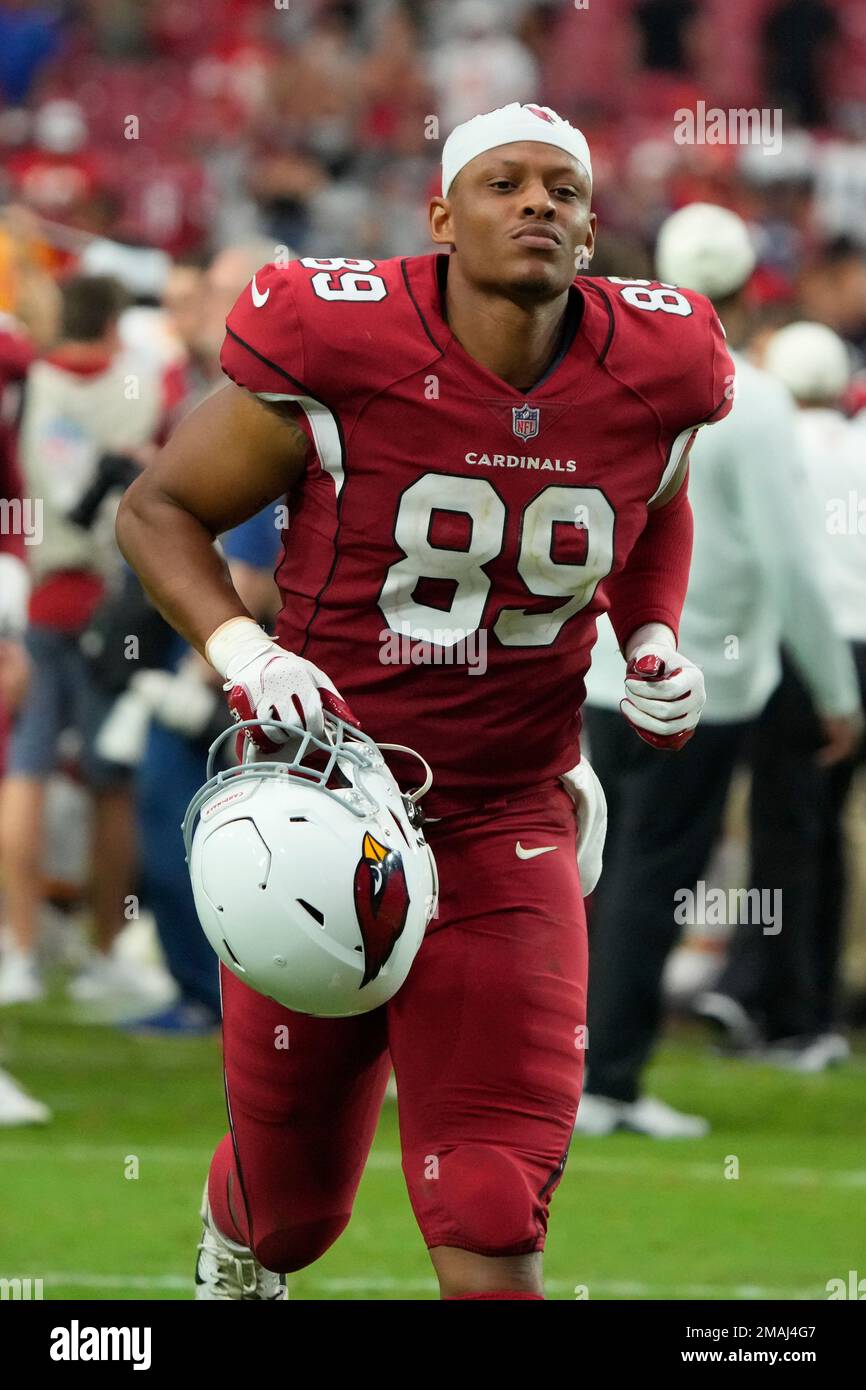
531, 853
259, 299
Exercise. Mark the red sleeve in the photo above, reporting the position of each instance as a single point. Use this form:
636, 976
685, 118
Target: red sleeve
669, 346
263, 350
721, 372
694, 374
696, 385
652, 586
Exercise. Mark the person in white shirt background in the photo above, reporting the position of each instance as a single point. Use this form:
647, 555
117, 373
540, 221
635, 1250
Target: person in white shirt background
814, 364
755, 583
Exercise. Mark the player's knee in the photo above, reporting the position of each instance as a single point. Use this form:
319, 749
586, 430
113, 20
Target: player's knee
290, 1246
482, 1201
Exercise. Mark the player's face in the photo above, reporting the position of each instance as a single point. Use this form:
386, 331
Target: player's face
518, 217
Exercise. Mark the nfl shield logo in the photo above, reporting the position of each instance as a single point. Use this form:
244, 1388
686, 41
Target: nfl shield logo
524, 420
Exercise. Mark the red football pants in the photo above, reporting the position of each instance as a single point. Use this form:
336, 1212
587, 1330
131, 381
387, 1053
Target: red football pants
486, 1038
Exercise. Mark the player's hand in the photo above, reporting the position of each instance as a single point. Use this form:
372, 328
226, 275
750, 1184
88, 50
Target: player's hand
590, 807
278, 685
842, 735
664, 695
264, 681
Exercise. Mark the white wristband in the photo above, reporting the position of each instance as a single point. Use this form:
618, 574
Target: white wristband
234, 644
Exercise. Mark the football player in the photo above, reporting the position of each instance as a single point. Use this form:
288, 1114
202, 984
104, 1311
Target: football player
480, 453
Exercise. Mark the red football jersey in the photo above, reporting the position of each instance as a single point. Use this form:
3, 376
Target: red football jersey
446, 547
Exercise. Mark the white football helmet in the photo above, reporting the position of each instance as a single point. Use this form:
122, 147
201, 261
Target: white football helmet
312, 878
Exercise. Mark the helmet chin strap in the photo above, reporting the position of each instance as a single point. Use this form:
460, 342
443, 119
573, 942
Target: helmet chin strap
428, 780
300, 741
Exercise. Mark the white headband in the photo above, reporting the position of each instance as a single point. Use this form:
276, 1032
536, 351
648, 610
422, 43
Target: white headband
504, 127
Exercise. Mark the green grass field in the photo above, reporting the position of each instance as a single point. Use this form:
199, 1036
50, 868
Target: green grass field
632, 1218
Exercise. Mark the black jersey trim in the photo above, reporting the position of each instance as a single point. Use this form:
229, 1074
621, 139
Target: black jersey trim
555, 1175
611, 317
417, 306
574, 318
281, 371
574, 315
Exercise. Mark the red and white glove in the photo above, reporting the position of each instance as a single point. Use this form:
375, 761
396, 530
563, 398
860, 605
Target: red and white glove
590, 807
665, 695
264, 681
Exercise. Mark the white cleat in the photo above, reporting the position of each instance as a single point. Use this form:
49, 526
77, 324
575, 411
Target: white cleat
658, 1120
17, 1108
807, 1055
112, 979
230, 1272
737, 1031
20, 981
598, 1116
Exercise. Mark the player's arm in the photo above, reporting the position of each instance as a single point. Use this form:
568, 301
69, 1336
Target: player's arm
664, 690
226, 461
774, 501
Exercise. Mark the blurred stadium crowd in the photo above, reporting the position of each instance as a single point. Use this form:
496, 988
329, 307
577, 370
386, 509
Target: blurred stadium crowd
155, 153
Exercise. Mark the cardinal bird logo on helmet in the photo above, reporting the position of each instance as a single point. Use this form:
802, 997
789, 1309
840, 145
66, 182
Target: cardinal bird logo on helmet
381, 903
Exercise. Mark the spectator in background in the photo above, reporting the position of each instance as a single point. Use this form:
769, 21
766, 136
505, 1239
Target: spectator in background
307, 134
16, 356
325, 103
665, 28
832, 289
57, 176
480, 66
813, 363
29, 297
16, 1107
182, 705
196, 297
283, 183
536, 30
29, 37
753, 580
394, 80
797, 38
229, 271
184, 302
83, 402
188, 712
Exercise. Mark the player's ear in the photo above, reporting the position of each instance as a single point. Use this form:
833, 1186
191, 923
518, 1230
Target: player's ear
589, 243
441, 222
